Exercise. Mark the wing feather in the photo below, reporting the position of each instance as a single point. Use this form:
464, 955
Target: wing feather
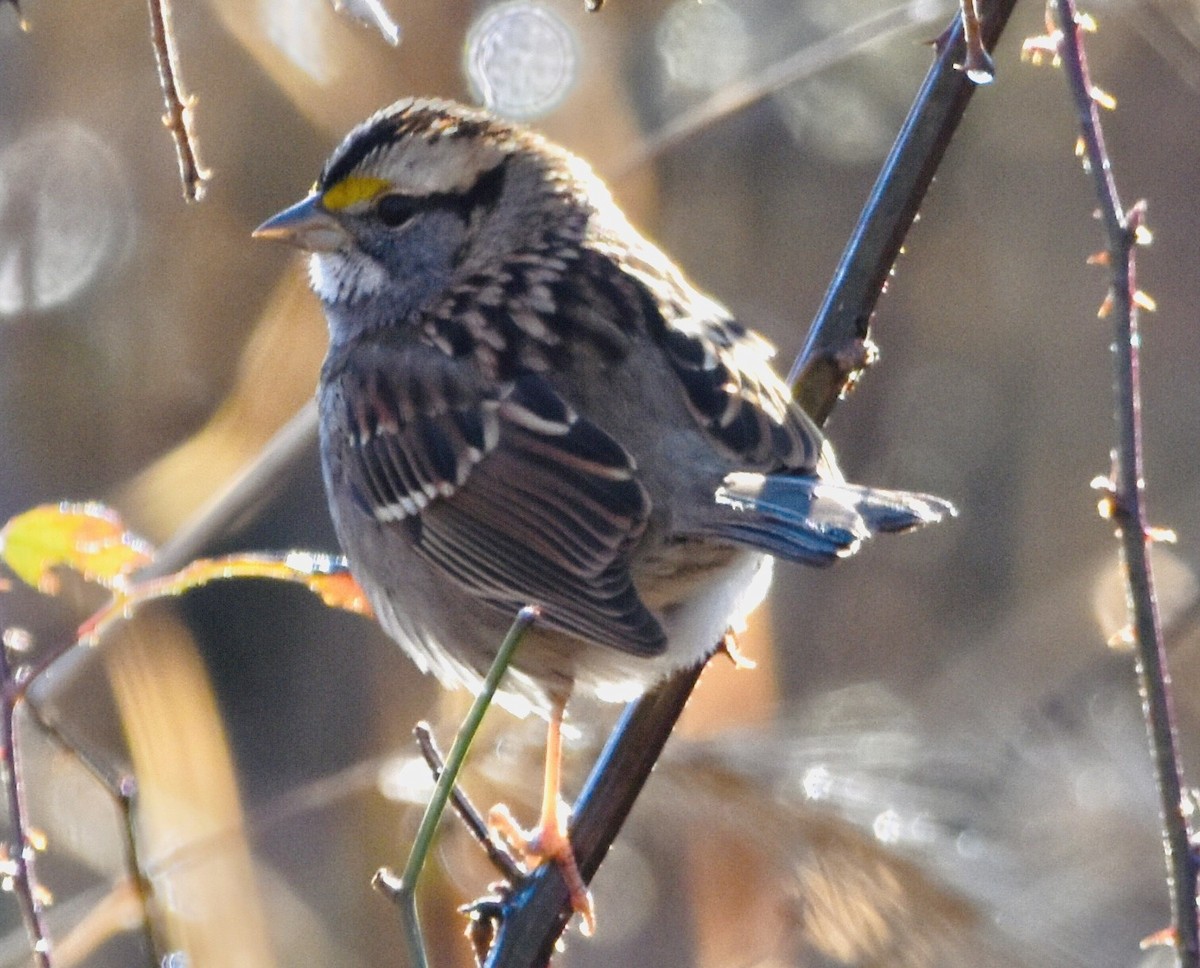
507, 491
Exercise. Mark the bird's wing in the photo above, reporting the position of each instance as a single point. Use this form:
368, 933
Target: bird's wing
724, 371
504, 488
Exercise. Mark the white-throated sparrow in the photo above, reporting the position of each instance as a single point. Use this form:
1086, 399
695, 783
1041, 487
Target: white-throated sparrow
525, 402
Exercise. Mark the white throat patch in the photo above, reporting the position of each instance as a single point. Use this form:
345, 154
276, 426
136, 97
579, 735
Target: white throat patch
342, 276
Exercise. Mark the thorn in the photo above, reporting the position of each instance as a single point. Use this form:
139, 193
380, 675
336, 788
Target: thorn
938, 43
1099, 258
388, 883
1103, 98
1160, 939
1105, 307
1122, 640
1106, 506
1085, 22
1039, 50
1080, 147
1143, 300
1162, 535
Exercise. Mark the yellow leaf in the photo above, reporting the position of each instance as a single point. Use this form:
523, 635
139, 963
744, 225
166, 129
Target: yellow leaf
86, 538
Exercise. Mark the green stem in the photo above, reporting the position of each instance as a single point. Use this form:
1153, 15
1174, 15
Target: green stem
403, 891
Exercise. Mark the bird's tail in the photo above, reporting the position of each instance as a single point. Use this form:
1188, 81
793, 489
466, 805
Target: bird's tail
815, 521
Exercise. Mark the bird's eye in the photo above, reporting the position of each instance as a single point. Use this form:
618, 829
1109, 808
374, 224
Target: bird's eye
394, 210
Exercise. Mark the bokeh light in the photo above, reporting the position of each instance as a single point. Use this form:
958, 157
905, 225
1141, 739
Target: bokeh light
300, 30
843, 122
64, 216
521, 59
703, 44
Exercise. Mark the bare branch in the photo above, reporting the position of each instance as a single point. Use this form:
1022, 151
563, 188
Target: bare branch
179, 105
465, 809
18, 863
838, 344
978, 63
1126, 500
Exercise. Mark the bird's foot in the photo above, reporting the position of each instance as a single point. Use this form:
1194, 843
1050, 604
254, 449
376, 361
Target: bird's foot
548, 841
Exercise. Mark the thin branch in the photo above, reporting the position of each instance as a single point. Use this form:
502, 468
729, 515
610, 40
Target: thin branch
535, 915
1127, 498
402, 890
20, 850
179, 105
123, 789
466, 811
838, 347
978, 63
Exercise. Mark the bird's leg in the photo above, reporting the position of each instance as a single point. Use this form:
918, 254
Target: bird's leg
549, 840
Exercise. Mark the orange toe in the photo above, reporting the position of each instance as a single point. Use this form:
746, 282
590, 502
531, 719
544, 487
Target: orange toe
548, 842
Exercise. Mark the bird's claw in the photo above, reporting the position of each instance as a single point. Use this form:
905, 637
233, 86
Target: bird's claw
548, 841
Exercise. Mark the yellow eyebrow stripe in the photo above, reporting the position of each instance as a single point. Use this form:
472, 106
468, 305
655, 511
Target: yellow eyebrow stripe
352, 190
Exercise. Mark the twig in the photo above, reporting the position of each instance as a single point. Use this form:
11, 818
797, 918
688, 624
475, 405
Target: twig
179, 106
1126, 503
126, 793
402, 890
837, 346
466, 811
20, 849
123, 789
536, 914
978, 63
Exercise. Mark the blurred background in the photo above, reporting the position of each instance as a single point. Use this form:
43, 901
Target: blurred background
938, 760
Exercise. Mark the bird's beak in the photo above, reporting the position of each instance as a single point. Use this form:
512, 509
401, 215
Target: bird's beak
307, 225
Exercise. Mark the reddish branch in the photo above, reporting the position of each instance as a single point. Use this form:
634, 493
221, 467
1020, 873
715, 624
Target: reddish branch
20, 849
179, 105
1126, 498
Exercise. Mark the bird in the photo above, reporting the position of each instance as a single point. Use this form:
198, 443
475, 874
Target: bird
525, 402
